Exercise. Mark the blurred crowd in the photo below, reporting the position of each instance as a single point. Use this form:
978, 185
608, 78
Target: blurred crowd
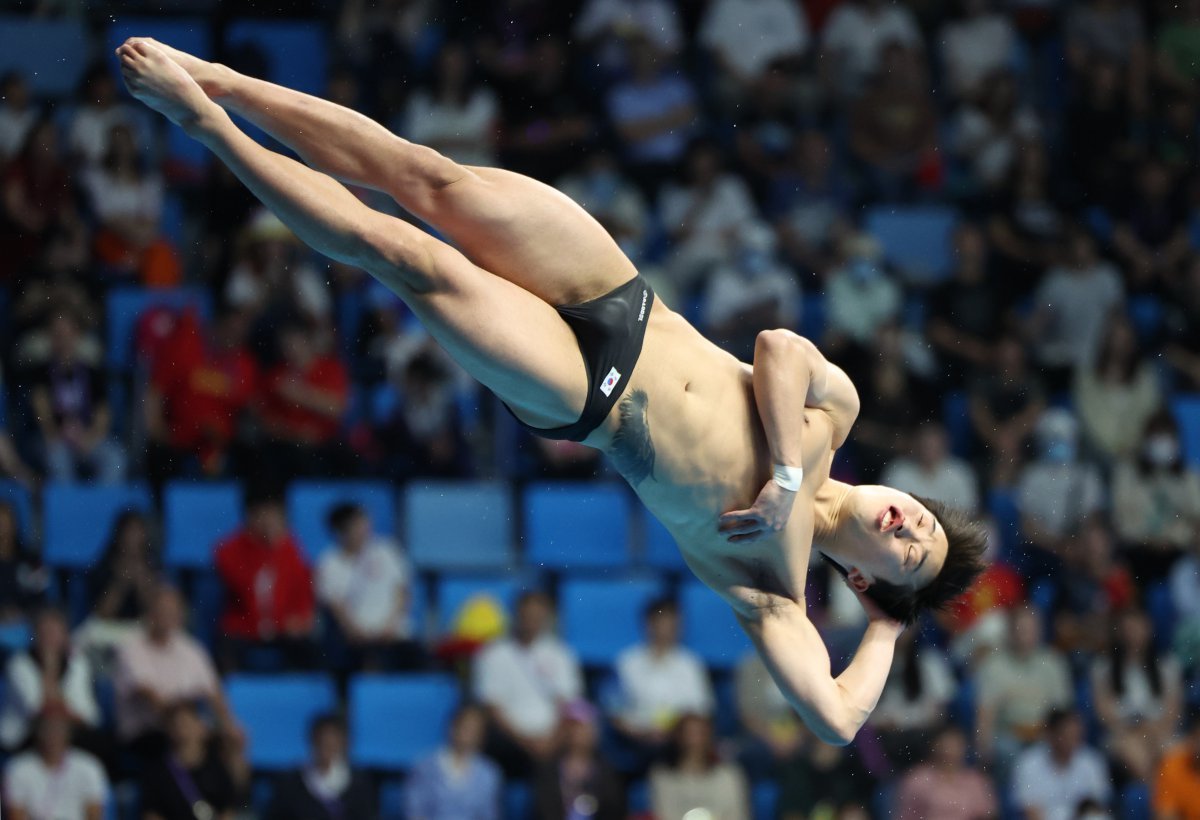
734, 148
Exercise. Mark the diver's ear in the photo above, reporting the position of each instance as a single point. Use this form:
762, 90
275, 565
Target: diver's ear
857, 581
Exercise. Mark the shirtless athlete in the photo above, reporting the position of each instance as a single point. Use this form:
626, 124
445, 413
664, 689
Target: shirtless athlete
538, 303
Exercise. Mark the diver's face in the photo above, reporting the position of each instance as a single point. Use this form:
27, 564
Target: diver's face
904, 543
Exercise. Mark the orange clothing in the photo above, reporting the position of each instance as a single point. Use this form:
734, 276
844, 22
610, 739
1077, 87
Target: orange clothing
1177, 790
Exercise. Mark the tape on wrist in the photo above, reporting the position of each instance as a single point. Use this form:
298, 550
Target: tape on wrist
789, 478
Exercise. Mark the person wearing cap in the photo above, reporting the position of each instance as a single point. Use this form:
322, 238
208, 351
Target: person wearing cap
578, 783
54, 781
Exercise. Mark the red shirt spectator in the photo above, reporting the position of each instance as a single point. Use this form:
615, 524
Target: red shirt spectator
199, 387
268, 585
304, 398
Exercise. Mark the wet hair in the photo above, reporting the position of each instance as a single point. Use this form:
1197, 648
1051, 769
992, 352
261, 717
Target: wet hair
966, 543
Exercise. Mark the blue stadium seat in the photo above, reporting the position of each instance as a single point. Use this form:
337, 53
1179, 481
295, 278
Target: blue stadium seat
395, 720
659, 549
50, 53
709, 627
391, 799
296, 51
195, 517
309, 503
956, 417
14, 637
459, 525
576, 525
764, 796
455, 590
126, 305
78, 519
276, 711
917, 241
22, 503
599, 618
1187, 414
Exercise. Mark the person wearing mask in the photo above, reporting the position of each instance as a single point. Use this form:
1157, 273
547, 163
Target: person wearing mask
578, 784
694, 778
523, 681
54, 781
456, 782
946, 786
190, 781
327, 788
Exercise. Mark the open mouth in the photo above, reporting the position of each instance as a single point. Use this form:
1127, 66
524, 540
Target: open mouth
891, 519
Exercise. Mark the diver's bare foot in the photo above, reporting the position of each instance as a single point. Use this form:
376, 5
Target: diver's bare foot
162, 84
214, 78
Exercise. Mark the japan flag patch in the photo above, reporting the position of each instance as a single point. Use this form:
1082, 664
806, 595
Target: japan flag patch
610, 381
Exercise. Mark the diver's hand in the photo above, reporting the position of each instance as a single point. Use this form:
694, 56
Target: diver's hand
768, 516
875, 615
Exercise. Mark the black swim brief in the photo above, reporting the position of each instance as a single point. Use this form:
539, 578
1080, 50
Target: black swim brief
610, 330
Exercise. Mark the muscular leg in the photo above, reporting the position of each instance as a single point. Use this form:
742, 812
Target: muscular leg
512, 225
512, 342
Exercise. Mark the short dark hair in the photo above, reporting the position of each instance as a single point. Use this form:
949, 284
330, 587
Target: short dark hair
326, 720
663, 604
342, 514
966, 543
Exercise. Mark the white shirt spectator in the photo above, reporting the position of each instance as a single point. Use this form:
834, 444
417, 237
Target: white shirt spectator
527, 684
90, 128
859, 301
1040, 784
250, 290
990, 150
1059, 496
24, 697
632, 102
732, 289
896, 711
113, 198
657, 689
656, 20
1184, 584
367, 585
180, 669
974, 48
860, 35
713, 216
1079, 304
14, 128
1138, 700
465, 133
952, 481
66, 793
750, 34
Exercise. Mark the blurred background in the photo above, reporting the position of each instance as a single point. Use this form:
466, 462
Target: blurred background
266, 552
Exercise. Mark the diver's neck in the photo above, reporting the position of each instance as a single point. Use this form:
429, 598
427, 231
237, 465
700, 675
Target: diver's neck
830, 515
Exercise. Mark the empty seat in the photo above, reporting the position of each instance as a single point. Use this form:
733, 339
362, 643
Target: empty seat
195, 517
21, 500
709, 627
576, 525
1187, 414
78, 519
309, 503
126, 305
917, 241
452, 525
50, 53
295, 51
276, 711
659, 549
453, 591
599, 618
395, 720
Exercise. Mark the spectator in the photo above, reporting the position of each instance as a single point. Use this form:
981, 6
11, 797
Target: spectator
50, 676
975, 45
268, 587
605, 192
23, 581
1150, 235
769, 723
123, 585
523, 682
72, 411
456, 781
1116, 393
578, 782
127, 200
303, 401
1100, 127
100, 110
1181, 327
1005, 404
1025, 228
809, 199
423, 433
200, 384
1156, 500
946, 786
1057, 491
1109, 30
854, 38
328, 787
1177, 786
655, 113
915, 701
53, 780
1018, 687
1138, 696
990, 131
932, 472
1092, 588
159, 667
1053, 778
860, 295
191, 779
458, 115
365, 582
964, 320
659, 680
703, 216
822, 781
17, 115
610, 29
748, 38
271, 281
693, 777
